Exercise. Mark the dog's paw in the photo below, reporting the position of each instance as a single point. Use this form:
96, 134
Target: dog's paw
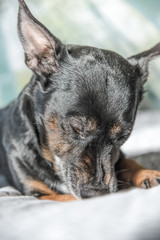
146, 178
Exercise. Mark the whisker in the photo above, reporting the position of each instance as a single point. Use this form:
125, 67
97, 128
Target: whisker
120, 171
123, 183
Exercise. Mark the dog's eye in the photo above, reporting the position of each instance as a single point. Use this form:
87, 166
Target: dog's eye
122, 138
77, 130
76, 127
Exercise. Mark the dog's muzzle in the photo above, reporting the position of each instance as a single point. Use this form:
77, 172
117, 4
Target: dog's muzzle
95, 191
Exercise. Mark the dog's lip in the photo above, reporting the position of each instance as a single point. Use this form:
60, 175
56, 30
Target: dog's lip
95, 191
85, 193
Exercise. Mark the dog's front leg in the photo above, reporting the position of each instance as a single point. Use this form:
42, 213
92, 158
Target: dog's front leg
133, 174
43, 192
58, 197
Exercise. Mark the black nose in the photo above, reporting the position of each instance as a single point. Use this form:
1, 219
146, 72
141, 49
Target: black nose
89, 193
86, 193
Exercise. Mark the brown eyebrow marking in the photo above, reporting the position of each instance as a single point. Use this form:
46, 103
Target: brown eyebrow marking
89, 124
92, 124
116, 128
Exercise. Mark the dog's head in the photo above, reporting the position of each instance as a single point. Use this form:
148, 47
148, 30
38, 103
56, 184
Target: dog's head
86, 101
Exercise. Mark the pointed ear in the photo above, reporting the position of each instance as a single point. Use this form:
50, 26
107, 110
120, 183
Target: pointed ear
141, 60
42, 49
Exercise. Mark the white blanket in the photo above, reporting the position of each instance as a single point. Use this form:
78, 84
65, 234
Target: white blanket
131, 215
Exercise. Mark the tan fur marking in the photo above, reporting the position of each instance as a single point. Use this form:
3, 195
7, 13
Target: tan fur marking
47, 154
141, 175
39, 186
107, 178
55, 141
48, 193
87, 160
115, 129
136, 174
92, 125
59, 197
87, 170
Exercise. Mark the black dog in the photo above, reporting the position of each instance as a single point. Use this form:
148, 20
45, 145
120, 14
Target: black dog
61, 138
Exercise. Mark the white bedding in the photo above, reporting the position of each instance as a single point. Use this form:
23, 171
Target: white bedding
130, 215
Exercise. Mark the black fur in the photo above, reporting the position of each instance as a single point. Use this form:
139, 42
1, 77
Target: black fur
76, 86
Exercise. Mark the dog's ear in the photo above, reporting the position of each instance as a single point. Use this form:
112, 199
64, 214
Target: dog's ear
42, 49
141, 60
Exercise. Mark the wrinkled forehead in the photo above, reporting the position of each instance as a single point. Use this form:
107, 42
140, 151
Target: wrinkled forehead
100, 66
90, 55
103, 76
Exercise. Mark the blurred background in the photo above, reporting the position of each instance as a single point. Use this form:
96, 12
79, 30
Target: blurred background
124, 26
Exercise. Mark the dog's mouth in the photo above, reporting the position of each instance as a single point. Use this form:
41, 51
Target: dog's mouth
87, 176
95, 192
91, 192
90, 189
82, 183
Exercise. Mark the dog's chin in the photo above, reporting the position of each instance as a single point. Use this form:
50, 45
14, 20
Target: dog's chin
89, 193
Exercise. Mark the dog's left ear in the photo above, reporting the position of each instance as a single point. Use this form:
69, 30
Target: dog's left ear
141, 60
42, 49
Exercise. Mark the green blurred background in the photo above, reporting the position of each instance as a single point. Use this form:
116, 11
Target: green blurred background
124, 26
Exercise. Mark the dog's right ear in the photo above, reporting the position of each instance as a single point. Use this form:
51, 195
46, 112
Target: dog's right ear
42, 49
142, 60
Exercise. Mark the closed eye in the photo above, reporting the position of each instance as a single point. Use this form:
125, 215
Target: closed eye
119, 140
82, 127
122, 138
77, 130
